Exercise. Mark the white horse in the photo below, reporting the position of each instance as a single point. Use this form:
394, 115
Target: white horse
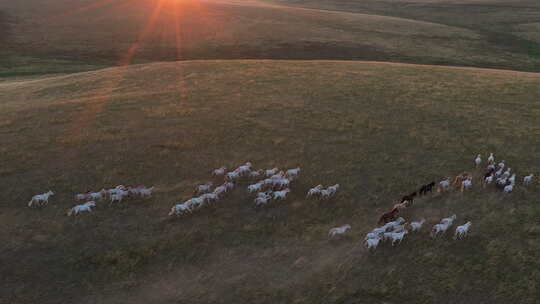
478, 160
416, 226
40, 199
398, 236
97, 195
219, 171
255, 187
527, 180
262, 199
333, 189
81, 196
372, 244
314, 191
180, 209
461, 231
204, 188
146, 192
270, 172
118, 196
439, 229
86, 207
281, 194
293, 173
338, 230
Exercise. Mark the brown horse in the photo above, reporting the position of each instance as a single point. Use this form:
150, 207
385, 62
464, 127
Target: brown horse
408, 199
460, 178
388, 216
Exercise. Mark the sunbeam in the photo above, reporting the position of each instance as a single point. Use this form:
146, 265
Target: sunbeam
177, 15
149, 27
92, 108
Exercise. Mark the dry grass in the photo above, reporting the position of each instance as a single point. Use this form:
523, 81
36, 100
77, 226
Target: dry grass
380, 130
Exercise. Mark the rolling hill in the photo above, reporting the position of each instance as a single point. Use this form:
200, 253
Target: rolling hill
61, 36
379, 129
92, 95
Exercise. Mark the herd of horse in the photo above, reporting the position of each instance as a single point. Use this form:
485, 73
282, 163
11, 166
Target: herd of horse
407, 200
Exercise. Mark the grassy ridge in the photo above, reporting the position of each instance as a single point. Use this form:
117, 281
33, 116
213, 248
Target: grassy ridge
380, 130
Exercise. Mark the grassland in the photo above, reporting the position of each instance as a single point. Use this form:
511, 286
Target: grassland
378, 129
60, 36
507, 26
72, 120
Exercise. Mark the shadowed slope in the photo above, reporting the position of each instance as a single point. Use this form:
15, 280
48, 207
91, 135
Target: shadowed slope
506, 26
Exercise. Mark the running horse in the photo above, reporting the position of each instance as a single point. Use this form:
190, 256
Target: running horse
389, 216
460, 178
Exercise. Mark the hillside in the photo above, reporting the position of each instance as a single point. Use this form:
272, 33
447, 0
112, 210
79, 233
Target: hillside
379, 129
60, 36
507, 25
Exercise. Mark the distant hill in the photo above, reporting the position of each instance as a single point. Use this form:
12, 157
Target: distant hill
68, 36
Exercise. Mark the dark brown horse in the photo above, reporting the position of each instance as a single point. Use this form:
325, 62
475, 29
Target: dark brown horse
426, 188
489, 173
408, 198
